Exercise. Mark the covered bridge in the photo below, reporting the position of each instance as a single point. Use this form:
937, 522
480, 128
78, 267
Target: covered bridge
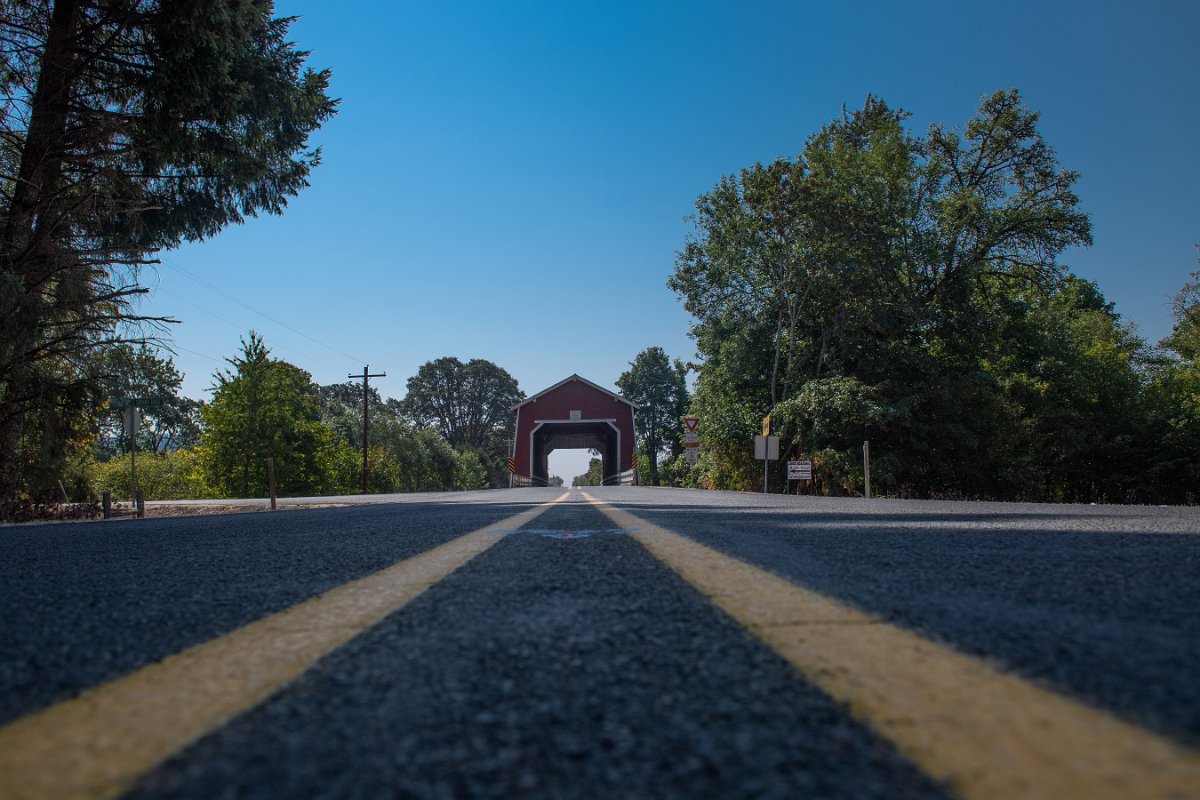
573, 413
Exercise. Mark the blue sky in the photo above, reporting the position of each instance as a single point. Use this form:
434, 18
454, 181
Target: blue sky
508, 181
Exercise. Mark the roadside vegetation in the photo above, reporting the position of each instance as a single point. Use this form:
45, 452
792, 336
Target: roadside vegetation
885, 285
265, 408
905, 289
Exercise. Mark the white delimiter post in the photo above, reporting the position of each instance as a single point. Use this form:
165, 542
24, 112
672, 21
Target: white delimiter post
867, 469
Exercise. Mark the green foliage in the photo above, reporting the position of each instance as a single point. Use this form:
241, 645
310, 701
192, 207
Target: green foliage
403, 458
1174, 401
130, 126
426, 461
593, 477
834, 413
906, 290
265, 408
659, 389
470, 405
169, 475
469, 472
56, 430
730, 415
123, 371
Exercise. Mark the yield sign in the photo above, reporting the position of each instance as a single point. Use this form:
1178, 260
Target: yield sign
690, 423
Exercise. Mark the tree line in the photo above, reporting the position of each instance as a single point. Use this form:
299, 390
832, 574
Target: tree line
450, 431
884, 285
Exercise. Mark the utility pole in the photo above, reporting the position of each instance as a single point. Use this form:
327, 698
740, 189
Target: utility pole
366, 379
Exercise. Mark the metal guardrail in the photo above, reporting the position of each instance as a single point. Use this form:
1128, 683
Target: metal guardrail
627, 478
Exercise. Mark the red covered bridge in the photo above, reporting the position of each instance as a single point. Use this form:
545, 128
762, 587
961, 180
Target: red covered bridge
574, 413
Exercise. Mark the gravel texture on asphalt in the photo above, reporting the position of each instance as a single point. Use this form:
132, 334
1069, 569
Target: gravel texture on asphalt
86, 603
1098, 602
560, 663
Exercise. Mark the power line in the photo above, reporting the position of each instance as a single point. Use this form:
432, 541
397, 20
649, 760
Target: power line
193, 352
260, 312
239, 328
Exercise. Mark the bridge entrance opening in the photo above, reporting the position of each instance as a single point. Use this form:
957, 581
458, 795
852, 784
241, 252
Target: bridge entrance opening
601, 437
568, 464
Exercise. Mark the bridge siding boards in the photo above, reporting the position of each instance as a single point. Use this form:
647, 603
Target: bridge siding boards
605, 422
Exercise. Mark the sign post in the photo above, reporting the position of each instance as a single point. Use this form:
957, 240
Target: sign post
131, 418
691, 440
867, 469
766, 448
799, 471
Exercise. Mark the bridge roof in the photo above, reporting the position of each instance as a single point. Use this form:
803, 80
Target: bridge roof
564, 382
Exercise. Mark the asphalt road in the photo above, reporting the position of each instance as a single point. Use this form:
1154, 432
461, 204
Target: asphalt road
567, 661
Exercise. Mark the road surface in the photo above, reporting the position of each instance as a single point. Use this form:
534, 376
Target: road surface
608, 642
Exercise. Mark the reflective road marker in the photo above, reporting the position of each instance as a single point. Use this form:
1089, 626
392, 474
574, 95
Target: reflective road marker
99, 744
985, 733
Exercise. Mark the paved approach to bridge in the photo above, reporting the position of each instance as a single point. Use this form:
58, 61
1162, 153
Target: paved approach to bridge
608, 642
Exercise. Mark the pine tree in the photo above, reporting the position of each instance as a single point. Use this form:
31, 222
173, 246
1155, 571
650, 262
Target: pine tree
129, 126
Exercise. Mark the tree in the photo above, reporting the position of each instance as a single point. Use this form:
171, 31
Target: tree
470, 405
125, 371
659, 389
264, 408
128, 127
403, 458
1175, 401
593, 477
885, 259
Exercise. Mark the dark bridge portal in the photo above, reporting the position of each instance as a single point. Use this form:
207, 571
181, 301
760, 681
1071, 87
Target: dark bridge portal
551, 436
574, 413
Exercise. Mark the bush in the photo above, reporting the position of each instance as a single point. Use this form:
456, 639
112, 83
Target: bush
163, 476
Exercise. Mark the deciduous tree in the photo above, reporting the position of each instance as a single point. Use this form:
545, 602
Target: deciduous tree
882, 261
658, 387
124, 371
470, 405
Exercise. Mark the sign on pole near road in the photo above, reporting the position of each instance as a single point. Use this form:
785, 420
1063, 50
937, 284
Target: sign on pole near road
799, 471
137, 402
691, 440
766, 448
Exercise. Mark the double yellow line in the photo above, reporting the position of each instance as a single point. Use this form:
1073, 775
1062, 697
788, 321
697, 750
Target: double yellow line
984, 733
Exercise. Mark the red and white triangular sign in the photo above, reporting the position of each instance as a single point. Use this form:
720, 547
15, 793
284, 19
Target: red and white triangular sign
690, 423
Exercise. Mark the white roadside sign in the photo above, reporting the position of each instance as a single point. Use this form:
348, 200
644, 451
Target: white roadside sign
799, 471
766, 447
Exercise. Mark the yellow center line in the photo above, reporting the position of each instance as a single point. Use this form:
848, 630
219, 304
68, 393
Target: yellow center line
984, 733
98, 744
